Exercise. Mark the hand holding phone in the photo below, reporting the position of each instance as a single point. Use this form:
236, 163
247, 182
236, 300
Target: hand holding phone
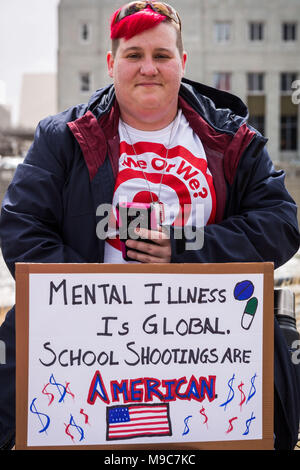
132, 216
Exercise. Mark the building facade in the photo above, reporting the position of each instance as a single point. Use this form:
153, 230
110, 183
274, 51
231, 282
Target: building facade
38, 98
5, 117
248, 47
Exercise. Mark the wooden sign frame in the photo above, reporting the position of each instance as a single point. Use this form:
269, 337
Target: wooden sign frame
23, 270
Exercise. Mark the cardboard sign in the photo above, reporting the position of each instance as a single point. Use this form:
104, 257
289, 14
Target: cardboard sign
144, 356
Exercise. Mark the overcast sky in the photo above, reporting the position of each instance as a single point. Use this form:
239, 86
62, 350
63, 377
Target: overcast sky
28, 42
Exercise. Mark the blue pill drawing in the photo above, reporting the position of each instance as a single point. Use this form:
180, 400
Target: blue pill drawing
243, 290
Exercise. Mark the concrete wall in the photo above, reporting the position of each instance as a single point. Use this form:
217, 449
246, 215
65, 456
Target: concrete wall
38, 98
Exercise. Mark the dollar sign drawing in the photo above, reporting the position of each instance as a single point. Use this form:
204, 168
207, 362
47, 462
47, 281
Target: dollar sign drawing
79, 429
62, 393
50, 395
34, 410
248, 422
230, 428
252, 389
186, 428
230, 393
243, 396
202, 412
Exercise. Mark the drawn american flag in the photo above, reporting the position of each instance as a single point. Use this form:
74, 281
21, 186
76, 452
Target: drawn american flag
129, 421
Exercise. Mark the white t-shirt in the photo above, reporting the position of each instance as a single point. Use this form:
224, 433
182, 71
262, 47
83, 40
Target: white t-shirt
180, 182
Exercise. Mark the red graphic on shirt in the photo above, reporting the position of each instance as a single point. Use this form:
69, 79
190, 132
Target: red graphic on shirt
161, 150
189, 168
145, 197
168, 180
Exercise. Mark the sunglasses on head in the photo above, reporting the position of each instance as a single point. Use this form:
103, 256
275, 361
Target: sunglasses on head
159, 7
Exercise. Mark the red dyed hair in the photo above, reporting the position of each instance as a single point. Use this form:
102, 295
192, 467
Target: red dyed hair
134, 24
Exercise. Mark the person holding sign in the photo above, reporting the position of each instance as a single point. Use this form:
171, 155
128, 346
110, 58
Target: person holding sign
171, 162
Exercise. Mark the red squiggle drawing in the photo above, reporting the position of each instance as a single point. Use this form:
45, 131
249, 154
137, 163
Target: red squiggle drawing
202, 412
51, 398
69, 391
86, 418
243, 396
230, 428
67, 431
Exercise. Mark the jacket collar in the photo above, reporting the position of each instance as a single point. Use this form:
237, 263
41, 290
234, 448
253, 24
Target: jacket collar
222, 110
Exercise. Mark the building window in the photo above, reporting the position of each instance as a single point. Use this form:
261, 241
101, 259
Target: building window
257, 111
258, 122
85, 32
289, 31
256, 31
222, 81
256, 82
286, 80
85, 82
222, 31
289, 137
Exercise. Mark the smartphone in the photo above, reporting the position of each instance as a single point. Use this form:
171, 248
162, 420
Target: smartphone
131, 215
